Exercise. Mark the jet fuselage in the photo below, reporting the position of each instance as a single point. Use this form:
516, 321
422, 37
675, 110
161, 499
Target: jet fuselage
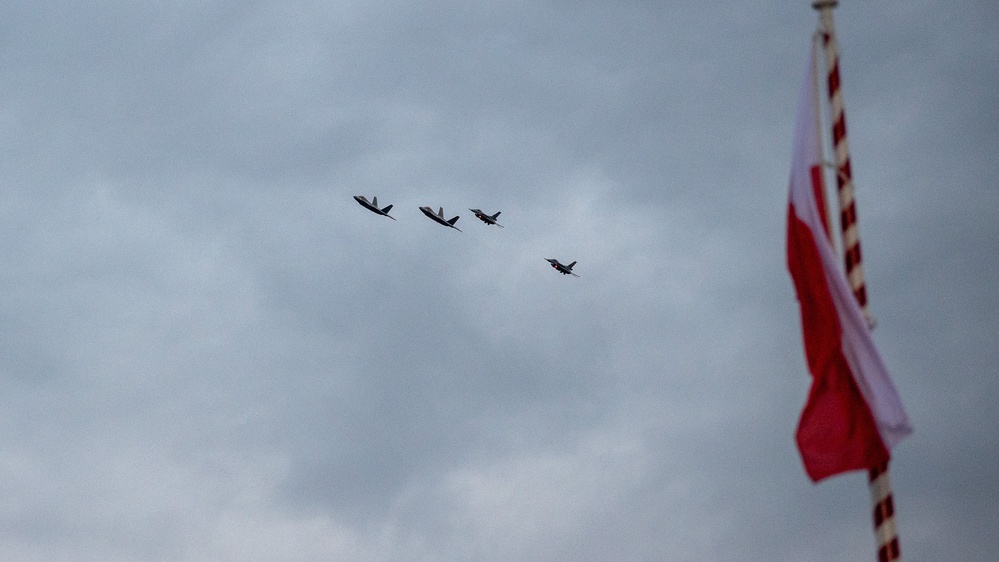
439, 217
563, 269
373, 206
488, 219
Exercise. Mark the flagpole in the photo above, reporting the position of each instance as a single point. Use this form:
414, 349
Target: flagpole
844, 174
879, 482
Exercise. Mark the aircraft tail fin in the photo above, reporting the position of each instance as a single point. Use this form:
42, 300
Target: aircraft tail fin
496, 215
440, 212
454, 220
387, 209
374, 201
570, 265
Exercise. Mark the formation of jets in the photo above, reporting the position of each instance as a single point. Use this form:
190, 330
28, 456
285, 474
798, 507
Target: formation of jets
438, 217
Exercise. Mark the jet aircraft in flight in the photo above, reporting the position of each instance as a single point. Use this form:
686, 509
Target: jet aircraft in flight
563, 269
439, 217
373, 206
488, 219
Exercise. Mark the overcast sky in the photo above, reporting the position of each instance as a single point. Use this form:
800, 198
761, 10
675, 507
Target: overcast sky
209, 351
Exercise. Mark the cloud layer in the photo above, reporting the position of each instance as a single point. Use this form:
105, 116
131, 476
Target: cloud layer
208, 350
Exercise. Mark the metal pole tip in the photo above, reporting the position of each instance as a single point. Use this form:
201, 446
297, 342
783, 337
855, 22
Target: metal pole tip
822, 4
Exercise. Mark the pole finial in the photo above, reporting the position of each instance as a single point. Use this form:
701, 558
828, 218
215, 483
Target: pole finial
823, 4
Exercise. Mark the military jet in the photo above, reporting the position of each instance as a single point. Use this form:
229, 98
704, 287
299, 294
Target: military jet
439, 217
373, 206
486, 218
563, 269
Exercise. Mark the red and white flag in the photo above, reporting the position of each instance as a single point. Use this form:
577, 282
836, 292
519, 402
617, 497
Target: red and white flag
854, 415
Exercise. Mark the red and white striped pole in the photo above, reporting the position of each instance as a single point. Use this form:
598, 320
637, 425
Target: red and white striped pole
879, 482
885, 532
844, 175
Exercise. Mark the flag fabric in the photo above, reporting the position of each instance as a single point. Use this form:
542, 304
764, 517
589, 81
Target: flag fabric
853, 415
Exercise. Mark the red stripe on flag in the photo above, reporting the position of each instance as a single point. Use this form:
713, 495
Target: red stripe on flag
820, 198
837, 432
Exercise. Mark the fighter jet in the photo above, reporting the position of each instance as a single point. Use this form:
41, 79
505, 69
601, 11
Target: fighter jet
563, 269
439, 217
487, 218
373, 206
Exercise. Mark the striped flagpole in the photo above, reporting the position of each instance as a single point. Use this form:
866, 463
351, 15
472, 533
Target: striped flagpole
885, 530
844, 174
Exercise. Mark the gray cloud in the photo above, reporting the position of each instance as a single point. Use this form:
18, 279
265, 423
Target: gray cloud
210, 351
